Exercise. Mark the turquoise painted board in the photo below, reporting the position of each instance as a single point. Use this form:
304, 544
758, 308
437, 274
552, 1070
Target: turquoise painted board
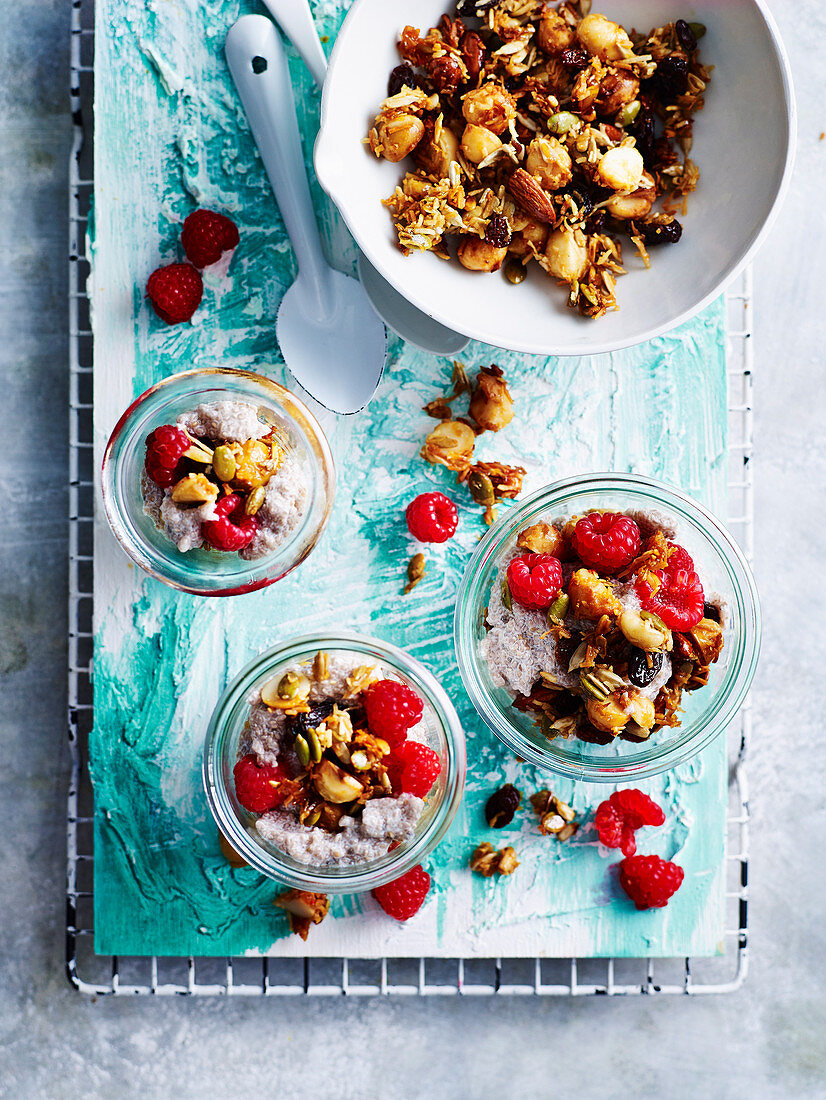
169, 136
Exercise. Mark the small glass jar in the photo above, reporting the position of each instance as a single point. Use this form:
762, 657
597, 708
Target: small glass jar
707, 711
203, 571
442, 732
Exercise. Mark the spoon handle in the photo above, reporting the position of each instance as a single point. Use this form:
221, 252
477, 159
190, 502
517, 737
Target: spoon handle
258, 65
296, 21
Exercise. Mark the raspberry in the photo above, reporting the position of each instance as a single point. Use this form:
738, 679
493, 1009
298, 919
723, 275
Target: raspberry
432, 517
680, 558
257, 785
175, 291
413, 768
233, 530
650, 881
164, 449
206, 236
403, 898
679, 600
535, 580
618, 818
606, 541
392, 709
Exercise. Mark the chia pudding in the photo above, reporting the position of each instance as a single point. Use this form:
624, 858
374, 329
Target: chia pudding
597, 624
333, 762
222, 478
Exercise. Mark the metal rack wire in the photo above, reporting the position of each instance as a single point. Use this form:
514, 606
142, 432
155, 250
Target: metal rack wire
98, 975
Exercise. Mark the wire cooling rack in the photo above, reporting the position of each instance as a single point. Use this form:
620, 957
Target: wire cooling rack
99, 975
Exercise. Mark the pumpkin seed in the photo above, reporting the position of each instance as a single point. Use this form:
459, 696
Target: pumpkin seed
312, 817
698, 30
314, 745
293, 686
223, 462
507, 599
302, 750
515, 272
481, 488
254, 501
559, 609
562, 122
628, 113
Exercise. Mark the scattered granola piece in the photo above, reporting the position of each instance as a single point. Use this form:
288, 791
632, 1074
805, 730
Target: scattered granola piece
556, 818
304, 909
415, 572
491, 405
487, 861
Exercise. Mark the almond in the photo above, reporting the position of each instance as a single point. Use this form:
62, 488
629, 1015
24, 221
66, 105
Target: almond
529, 195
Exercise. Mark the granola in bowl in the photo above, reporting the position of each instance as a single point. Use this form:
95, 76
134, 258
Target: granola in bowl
542, 134
334, 763
607, 628
597, 625
222, 478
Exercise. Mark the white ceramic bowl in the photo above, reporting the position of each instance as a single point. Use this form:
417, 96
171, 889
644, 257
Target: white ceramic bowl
744, 146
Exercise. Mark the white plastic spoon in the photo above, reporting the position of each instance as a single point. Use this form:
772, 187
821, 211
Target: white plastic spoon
330, 336
296, 21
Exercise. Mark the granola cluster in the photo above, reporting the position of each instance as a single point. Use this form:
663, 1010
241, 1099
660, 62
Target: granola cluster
544, 134
451, 443
555, 818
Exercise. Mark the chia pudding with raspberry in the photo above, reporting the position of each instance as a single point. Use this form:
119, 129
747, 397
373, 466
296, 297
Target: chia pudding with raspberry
220, 477
597, 624
332, 761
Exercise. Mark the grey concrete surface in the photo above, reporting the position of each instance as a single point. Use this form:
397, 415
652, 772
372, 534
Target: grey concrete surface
765, 1041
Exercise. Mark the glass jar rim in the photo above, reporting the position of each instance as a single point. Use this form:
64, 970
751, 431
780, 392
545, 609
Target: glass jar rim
652, 759
351, 878
260, 571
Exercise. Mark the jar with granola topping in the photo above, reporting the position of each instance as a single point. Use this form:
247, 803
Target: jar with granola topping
334, 763
217, 481
608, 628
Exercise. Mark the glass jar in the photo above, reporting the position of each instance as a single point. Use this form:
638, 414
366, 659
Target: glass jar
442, 732
204, 571
707, 711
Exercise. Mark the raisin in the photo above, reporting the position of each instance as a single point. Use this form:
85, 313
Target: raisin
639, 671
661, 232
711, 612
300, 723
446, 73
574, 58
501, 806
643, 131
685, 36
401, 75
473, 52
670, 79
498, 232
596, 222
474, 7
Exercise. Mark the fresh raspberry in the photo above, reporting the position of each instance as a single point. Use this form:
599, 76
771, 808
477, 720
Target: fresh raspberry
618, 818
233, 530
392, 709
432, 517
413, 768
257, 786
606, 541
650, 881
207, 235
679, 601
175, 291
680, 558
535, 580
403, 898
164, 449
